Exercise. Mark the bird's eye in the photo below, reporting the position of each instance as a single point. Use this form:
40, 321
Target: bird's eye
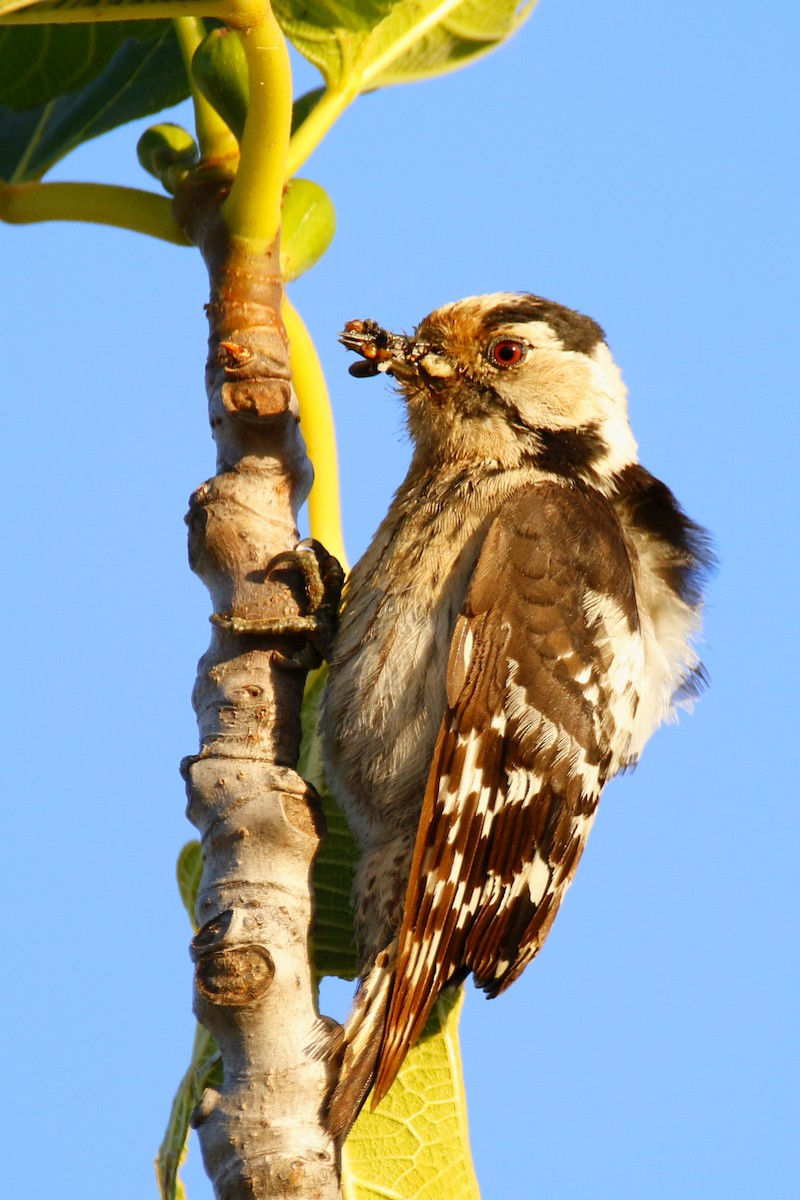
506, 352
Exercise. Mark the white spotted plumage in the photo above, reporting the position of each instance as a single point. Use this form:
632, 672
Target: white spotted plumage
519, 626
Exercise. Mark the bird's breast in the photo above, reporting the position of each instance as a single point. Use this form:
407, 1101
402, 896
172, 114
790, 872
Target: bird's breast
385, 696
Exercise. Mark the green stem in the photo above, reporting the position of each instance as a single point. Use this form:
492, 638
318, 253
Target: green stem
316, 125
160, 10
213, 136
98, 203
319, 434
253, 208
399, 36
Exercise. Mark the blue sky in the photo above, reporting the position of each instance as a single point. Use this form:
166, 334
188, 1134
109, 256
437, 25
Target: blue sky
637, 162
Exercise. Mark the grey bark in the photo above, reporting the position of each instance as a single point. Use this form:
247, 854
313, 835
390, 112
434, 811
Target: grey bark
260, 824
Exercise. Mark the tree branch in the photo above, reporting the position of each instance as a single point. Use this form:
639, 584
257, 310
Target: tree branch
260, 824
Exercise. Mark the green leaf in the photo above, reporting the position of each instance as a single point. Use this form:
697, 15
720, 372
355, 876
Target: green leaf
416, 1143
359, 45
205, 1070
205, 1067
188, 870
140, 78
38, 63
332, 942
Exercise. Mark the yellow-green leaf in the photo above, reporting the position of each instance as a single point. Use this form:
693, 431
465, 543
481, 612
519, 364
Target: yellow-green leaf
359, 45
10, 6
415, 1145
188, 870
205, 1070
205, 1067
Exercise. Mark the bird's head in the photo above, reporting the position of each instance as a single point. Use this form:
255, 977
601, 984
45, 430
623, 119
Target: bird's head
506, 377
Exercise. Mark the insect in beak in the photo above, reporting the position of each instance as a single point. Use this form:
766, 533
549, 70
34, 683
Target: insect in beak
382, 351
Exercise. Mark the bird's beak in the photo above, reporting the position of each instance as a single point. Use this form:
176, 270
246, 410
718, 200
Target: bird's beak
382, 351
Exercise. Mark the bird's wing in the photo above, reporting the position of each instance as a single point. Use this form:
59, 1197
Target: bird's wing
541, 684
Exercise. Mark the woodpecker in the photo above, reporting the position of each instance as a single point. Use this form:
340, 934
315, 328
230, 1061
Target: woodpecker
522, 622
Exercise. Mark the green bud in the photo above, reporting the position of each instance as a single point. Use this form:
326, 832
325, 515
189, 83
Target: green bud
304, 105
219, 69
307, 228
167, 152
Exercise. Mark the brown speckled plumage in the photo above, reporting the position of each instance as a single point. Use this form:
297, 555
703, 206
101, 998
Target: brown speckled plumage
519, 626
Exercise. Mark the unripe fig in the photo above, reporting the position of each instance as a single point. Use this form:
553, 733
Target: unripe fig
167, 152
307, 227
219, 69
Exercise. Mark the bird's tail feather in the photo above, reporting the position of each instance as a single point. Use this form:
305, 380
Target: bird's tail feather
362, 1038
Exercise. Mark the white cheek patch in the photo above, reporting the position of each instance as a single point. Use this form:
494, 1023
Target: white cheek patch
612, 398
607, 374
